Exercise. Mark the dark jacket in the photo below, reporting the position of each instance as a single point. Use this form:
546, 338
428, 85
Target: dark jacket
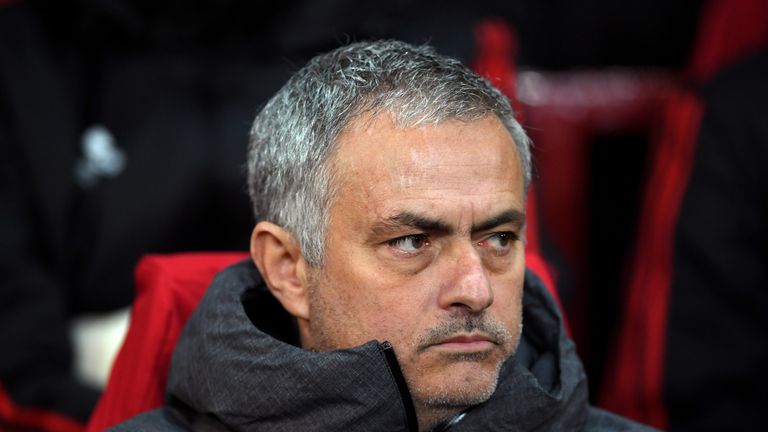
237, 366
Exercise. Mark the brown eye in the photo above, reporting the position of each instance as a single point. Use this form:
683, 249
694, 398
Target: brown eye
500, 241
409, 243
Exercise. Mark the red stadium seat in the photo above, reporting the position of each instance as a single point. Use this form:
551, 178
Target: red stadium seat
168, 288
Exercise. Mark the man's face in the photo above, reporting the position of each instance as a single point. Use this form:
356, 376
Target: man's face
425, 250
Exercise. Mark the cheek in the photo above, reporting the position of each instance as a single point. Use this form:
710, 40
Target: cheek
382, 300
390, 316
508, 301
348, 309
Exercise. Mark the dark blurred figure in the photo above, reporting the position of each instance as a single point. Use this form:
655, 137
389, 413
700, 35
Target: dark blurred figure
690, 350
112, 147
717, 344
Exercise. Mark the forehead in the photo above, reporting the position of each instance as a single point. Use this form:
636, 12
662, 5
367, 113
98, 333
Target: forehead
378, 162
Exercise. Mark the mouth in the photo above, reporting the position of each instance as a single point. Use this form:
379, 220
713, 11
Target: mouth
466, 343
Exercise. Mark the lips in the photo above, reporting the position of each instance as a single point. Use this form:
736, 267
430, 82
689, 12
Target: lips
471, 342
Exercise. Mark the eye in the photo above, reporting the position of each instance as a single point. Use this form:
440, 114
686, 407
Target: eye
499, 241
409, 243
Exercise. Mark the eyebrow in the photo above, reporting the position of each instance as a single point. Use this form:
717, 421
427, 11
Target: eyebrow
514, 217
423, 223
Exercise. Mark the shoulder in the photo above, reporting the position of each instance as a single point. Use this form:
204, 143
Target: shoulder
601, 420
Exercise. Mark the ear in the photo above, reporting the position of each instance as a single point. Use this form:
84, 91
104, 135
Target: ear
279, 259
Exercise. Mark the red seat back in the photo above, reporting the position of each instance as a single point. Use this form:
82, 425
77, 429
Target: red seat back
168, 290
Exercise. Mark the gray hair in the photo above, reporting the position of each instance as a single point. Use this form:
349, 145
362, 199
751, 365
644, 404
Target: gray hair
293, 136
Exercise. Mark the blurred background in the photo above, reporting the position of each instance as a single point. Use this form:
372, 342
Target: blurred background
123, 127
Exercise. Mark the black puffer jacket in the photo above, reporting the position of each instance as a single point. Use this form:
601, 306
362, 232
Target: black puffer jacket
237, 367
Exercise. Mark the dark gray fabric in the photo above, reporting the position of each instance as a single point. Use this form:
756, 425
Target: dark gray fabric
226, 371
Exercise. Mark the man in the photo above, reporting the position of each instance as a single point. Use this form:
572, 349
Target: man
389, 281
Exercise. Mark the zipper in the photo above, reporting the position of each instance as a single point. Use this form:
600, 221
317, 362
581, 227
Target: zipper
405, 394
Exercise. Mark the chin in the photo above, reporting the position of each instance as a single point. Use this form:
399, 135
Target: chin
460, 385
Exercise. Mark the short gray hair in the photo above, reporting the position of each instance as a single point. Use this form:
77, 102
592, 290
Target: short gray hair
293, 136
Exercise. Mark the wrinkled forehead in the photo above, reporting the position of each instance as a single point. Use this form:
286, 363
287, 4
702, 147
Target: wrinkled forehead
377, 161
371, 144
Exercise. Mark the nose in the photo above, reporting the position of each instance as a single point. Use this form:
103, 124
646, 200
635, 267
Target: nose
467, 285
